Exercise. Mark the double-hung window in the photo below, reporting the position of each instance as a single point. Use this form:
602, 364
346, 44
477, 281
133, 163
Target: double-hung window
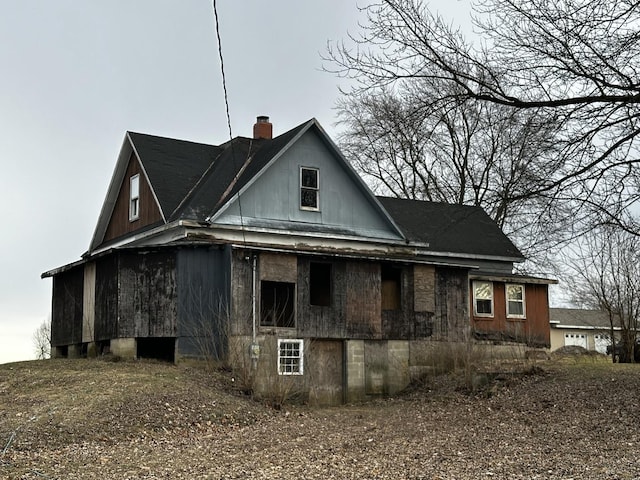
290, 357
515, 301
483, 299
134, 198
309, 188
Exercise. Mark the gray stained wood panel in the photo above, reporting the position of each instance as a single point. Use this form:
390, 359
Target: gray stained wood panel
66, 315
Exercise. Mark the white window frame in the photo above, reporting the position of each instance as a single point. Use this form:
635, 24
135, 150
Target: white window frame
523, 301
315, 189
475, 299
134, 198
290, 368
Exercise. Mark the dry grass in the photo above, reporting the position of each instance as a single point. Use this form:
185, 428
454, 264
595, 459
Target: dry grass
572, 417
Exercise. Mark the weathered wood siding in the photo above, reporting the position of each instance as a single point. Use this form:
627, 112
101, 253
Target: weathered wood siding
106, 313
433, 300
316, 320
66, 308
241, 293
533, 329
364, 301
203, 278
451, 303
119, 224
147, 294
89, 302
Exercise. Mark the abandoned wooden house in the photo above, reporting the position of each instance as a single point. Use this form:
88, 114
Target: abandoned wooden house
273, 253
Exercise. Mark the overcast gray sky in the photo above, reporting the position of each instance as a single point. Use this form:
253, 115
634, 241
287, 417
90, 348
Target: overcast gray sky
76, 75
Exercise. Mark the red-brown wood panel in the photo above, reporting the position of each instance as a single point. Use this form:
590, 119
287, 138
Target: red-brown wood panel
533, 329
119, 224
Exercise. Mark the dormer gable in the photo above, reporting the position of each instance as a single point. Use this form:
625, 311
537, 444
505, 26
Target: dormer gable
135, 206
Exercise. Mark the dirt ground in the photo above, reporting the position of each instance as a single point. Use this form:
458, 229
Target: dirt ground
574, 418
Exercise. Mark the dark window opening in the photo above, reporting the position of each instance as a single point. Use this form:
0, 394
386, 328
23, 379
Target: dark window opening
320, 284
158, 348
309, 188
277, 304
391, 290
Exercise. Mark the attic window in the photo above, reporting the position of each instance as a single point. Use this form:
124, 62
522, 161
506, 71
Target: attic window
309, 188
134, 198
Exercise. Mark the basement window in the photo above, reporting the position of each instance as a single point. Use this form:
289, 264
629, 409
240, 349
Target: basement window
277, 304
134, 198
391, 287
320, 284
290, 357
309, 188
515, 301
483, 299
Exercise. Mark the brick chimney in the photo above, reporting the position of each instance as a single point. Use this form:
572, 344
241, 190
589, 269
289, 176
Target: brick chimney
263, 128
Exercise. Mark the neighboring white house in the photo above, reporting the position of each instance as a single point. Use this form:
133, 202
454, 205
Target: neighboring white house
590, 329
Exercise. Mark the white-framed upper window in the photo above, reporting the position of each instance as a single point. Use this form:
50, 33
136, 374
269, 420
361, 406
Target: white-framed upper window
482, 299
290, 357
515, 301
309, 188
134, 197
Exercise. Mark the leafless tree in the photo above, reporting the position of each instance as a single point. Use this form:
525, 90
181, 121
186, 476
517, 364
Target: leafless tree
42, 340
604, 273
468, 153
574, 63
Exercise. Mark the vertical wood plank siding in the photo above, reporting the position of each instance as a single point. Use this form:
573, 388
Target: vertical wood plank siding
119, 223
364, 301
66, 308
106, 321
355, 309
452, 294
533, 329
203, 279
147, 302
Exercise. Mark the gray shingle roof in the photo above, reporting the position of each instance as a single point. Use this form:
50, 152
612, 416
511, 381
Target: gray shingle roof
577, 317
449, 227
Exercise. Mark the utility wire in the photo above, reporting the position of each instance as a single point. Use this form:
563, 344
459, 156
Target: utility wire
224, 78
227, 109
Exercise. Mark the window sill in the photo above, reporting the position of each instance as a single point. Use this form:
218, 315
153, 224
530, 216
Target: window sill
516, 319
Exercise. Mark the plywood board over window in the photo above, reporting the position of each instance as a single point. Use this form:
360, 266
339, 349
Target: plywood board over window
391, 287
424, 281
278, 267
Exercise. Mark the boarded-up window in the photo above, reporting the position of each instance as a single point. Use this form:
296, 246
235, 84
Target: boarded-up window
277, 304
320, 284
391, 287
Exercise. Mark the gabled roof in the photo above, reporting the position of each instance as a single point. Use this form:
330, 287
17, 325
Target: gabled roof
196, 181
450, 228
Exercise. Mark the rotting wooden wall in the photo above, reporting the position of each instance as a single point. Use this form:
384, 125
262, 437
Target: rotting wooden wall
66, 308
439, 308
